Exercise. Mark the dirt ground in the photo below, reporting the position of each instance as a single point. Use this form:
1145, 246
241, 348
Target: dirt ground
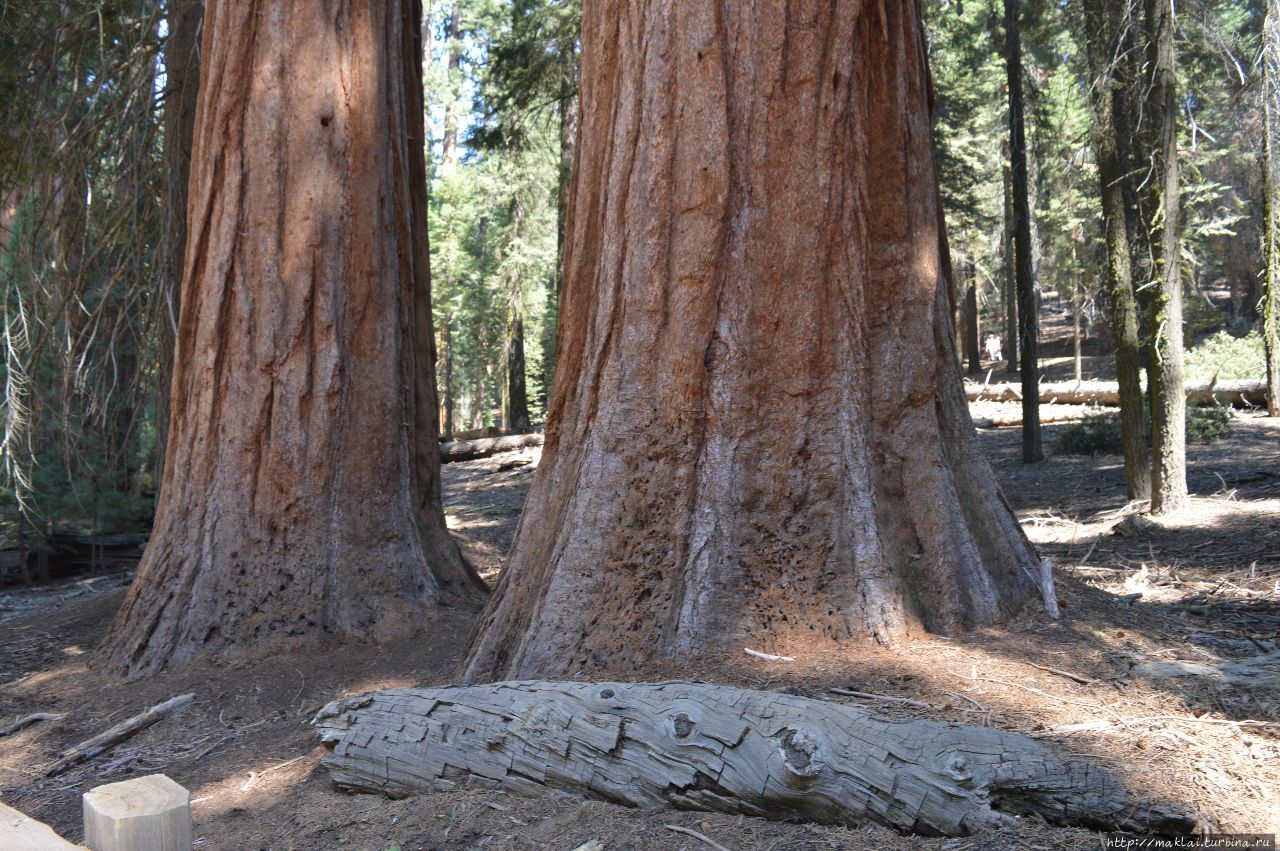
1210, 586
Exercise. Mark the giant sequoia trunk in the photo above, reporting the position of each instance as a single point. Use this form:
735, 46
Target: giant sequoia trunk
301, 493
758, 427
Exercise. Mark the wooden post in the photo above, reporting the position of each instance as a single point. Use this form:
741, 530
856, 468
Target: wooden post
20, 832
150, 813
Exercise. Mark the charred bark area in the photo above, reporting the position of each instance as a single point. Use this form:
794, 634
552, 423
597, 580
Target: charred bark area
758, 427
301, 488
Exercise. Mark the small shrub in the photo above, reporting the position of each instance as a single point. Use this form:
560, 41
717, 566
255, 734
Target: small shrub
1208, 425
1099, 433
1226, 357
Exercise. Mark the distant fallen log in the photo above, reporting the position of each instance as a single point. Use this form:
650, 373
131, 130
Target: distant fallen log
1049, 414
1244, 393
469, 450
707, 747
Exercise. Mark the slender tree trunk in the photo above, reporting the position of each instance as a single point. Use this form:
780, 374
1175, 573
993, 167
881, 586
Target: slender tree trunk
1010, 274
517, 421
1271, 227
446, 337
1102, 36
301, 492
182, 78
516, 416
758, 430
972, 337
449, 144
1028, 309
1168, 402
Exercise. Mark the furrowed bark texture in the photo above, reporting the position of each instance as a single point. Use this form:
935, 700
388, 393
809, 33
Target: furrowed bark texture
1168, 405
1271, 183
758, 426
182, 76
301, 493
709, 747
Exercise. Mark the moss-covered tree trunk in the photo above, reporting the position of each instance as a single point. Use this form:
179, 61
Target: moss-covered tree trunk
301, 494
1168, 402
758, 430
1271, 228
1110, 132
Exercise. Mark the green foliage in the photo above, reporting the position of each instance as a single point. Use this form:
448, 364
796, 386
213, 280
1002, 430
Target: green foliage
1099, 433
494, 233
1226, 358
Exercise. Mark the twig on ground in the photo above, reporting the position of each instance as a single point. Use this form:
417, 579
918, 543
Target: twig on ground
866, 695
1084, 681
986, 713
255, 776
213, 747
768, 657
702, 837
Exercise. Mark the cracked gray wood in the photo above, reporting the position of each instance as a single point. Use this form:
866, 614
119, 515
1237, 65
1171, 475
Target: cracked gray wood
708, 747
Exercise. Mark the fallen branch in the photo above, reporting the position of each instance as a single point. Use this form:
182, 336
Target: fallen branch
1084, 681
102, 742
709, 747
27, 720
866, 695
768, 657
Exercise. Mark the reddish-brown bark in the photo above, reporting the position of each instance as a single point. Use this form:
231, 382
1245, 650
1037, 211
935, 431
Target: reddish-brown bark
758, 428
301, 494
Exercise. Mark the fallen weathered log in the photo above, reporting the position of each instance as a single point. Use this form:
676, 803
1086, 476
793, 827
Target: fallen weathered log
469, 450
1248, 392
1049, 414
708, 747
104, 741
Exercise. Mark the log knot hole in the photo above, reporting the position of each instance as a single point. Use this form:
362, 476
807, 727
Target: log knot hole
958, 769
800, 754
683, 726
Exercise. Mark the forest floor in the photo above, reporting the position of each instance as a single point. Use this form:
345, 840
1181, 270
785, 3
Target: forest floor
1210, 585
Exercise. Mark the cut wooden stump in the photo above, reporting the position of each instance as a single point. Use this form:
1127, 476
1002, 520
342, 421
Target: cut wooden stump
19, 832
708, 747
1247, 393
104, 741
470, 450
150, 813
